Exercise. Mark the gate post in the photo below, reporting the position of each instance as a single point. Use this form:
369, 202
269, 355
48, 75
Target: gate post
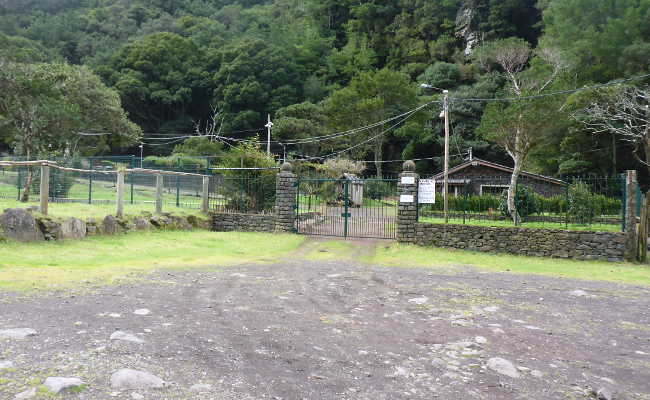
285, 199
630, 217
407, 208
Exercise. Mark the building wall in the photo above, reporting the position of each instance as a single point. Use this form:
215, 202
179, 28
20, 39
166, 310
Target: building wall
482, 175
578, 245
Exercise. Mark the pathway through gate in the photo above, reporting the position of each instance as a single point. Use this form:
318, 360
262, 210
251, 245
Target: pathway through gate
356, 208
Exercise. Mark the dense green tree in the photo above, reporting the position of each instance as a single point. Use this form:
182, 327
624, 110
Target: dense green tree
607, 39
254, 79
160, 79
45, 106
371, 97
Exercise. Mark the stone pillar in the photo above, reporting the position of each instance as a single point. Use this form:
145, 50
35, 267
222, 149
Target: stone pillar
630, 216
285, 199
407, 208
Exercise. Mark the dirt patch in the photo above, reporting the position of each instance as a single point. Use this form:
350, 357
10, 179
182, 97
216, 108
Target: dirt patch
337, 329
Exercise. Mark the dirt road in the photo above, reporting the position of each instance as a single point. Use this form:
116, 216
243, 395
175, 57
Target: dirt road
300, 329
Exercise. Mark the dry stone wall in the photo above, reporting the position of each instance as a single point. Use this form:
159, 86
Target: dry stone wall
224, 222
578, 245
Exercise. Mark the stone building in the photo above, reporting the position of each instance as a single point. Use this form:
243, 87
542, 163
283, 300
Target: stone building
480, 177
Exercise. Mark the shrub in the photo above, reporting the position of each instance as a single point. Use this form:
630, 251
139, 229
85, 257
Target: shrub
582, 203
377, 190
526, 202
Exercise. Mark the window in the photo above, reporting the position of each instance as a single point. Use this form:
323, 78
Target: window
495, 190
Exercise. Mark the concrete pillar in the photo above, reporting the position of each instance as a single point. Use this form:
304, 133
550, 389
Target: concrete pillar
630, 216
45, 188
407, 208
285, 199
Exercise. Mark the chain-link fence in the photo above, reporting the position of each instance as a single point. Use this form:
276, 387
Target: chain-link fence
575, 203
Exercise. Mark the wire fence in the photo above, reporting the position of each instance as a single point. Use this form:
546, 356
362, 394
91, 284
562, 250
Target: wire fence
575, 203
93, 181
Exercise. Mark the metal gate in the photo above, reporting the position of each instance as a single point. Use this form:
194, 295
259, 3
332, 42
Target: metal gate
348, 207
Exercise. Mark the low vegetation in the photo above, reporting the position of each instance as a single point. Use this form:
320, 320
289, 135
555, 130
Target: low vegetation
106, 259
407, 255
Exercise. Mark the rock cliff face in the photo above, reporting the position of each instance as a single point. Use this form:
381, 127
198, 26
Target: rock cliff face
467, 25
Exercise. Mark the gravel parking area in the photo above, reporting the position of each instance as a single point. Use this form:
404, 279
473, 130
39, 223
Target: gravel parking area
301, 329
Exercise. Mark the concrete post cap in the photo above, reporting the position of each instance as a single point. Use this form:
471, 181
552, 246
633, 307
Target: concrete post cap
286, 167
408, 166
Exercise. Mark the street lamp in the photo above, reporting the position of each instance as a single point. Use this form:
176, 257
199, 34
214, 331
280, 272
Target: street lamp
444, 114
141, 151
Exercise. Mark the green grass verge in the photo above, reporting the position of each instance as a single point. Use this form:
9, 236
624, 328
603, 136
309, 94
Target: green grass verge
530, 225
409, 255
81, 210
105, 259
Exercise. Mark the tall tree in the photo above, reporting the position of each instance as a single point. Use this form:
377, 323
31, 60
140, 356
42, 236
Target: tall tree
518, 126
44, 106
370, 98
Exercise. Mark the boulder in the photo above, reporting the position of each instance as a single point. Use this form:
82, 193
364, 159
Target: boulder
111, 225
73, 228
126, 337
18, 224
126, 379
142, 224
180, 223
57, 384
50, 228
503, 367
17, 333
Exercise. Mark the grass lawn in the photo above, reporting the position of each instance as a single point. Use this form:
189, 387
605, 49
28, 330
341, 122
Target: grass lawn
408, 255
83, 210
105, 259
532, 225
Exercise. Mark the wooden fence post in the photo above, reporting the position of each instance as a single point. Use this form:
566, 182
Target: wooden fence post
631, 243
159, 193
205, 195
45, 187
642, 234
120, 193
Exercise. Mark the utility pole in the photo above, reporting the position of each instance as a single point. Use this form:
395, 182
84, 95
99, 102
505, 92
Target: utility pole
446, 184
268, 126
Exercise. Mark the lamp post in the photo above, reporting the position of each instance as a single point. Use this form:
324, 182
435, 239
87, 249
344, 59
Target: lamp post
445, 115
268, 126
141, 152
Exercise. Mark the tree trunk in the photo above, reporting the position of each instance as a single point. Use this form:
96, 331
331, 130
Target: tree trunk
30, 172
512, 191
28, 183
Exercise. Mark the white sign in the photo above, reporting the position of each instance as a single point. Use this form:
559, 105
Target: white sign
408, 180
427, 191
406, 198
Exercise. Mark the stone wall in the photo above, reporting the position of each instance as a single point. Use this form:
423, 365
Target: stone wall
580, 245
224, 222
27, 225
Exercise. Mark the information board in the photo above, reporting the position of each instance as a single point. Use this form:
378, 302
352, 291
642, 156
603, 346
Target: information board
427, 191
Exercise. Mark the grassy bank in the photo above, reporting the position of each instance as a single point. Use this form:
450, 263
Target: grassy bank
51, 265
407, 255
84, 210
529, 225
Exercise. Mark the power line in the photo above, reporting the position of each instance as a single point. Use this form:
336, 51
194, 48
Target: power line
413, 112
569, 91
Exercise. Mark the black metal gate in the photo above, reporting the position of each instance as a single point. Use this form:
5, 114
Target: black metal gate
349, 207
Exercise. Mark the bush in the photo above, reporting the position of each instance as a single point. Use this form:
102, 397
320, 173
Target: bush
582, 204
526, 202
378, 190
